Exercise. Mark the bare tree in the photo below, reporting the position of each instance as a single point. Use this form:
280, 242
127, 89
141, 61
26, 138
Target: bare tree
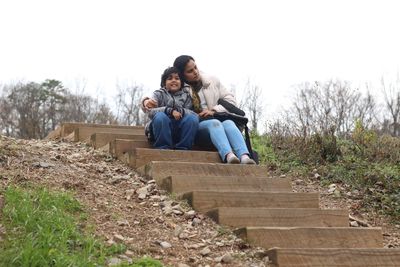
366, 110
103, 114
8, 115
330, 106
128, 104
251, 103
391, 93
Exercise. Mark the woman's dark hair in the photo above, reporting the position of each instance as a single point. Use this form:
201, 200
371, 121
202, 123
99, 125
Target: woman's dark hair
180, 63
167, 72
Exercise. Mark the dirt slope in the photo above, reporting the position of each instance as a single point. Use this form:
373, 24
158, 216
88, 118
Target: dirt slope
126, 208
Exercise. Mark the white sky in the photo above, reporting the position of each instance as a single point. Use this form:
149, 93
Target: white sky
275, 44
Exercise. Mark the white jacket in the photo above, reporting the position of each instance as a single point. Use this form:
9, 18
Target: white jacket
214, 90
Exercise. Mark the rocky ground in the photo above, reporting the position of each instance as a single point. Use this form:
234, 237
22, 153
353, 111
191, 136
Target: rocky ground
126, 208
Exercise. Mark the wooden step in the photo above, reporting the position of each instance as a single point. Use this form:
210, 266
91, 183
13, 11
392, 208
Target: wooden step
242, 217
100, 139
55, 134
83, 132
204, 201
69, 127
161, 169
142, 156
120, 146
186, 183
329, 257
312, 237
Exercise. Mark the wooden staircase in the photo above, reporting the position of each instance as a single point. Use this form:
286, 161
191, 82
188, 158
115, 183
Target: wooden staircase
265, 211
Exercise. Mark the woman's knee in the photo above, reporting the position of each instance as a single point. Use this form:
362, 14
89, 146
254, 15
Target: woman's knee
228, 124
215, 123
210, 124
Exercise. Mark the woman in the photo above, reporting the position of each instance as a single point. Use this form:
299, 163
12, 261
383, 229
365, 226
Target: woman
173, 124
206, 90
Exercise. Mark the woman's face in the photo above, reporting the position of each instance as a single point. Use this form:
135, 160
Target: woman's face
191, 72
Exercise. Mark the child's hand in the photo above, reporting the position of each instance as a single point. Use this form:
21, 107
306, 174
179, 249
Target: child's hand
150, 103
177, 115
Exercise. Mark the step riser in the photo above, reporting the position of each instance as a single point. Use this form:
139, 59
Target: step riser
182, 184
312, 237
159, 170
334, 257
142, 156
82, 133
68, 127
237, 217
101, 139
204, 201
120, 146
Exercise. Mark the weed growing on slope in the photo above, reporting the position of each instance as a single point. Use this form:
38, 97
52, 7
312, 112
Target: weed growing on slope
47, 229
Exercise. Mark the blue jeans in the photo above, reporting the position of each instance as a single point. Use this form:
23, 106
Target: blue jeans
225, 136
169, 133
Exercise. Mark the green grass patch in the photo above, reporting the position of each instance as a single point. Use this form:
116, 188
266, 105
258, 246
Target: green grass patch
147, 262
48, 229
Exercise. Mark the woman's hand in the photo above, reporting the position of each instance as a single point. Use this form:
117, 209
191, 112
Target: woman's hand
150, 103
177, 115
206, 113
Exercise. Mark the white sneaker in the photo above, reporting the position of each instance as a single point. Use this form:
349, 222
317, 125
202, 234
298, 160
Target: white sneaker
232, 159
245, 159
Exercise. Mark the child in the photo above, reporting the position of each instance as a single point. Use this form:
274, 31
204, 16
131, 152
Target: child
173, 124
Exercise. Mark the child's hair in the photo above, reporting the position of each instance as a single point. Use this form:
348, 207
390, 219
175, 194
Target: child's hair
167, 72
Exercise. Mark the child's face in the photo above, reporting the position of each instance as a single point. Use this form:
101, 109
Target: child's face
173, 83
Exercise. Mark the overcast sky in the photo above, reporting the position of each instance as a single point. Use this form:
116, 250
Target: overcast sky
275, 44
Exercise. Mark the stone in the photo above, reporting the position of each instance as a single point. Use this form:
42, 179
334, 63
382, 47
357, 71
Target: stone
155, 198
190, 214
177, 212
196, 221
337, 193
117, 179
165, 245
142, 190
298, 181
331, 188
110, 242
167, 210
178, 207
119, 237
129, 193
183, 236
354, 224
123, 223
227, 258
129, 253
43, 165
114, 262
205, 251
178, 230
